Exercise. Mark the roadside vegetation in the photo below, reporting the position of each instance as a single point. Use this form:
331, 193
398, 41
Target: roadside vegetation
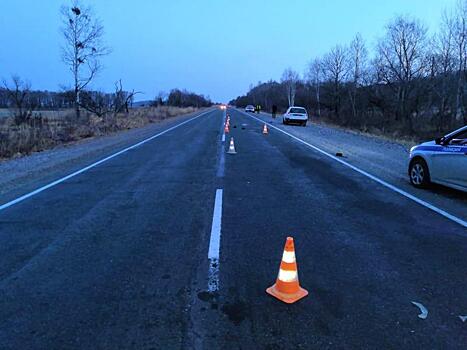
32, 120
39, 133
409, 84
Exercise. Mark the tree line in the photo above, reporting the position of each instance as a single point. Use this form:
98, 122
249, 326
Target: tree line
412, 82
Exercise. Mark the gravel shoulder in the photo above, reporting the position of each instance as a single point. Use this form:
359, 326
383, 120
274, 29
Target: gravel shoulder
22, 175
378, 156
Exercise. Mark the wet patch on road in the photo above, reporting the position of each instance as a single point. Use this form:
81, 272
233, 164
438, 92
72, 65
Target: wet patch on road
236, 312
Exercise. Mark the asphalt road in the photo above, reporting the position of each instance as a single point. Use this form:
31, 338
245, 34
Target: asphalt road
116, 257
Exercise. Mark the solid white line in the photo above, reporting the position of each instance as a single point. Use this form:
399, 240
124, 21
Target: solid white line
214, 243
56, 182
372, 177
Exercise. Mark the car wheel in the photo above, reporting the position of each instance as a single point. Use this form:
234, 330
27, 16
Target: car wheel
419, 173
283, 121
304, 124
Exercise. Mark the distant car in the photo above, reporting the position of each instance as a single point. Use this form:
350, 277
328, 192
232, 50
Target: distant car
443, 161
249, 108
295, 115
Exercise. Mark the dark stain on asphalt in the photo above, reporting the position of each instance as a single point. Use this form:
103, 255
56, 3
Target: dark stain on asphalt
166, 276
236, 312
331, 301
207, 296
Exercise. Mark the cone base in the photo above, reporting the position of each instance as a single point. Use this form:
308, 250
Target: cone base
287, 298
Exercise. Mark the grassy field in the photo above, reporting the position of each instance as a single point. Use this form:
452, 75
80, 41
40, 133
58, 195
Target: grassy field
50, 114
59, 127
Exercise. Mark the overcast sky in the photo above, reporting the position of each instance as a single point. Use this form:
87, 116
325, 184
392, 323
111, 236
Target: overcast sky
217, 48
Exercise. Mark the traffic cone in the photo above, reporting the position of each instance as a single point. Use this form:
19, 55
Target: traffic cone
231, 147
226, 129
265, 130
287, 287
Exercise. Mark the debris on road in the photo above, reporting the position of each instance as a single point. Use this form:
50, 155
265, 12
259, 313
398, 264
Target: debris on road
463, 318
424, 312
339, 154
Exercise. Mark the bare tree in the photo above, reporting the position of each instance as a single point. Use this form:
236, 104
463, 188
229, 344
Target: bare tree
315, 77
160, 99
290, 79
108, 105
403, 59
335, 71
443, 61
83, 46
122, 98
460, 38
358, 56
19, 99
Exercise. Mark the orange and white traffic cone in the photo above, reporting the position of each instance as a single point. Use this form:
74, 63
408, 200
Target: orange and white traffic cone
231, 147
287, 287
226, 129
265, 130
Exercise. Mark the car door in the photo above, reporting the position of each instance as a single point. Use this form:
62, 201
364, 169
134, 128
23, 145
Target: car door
450, 162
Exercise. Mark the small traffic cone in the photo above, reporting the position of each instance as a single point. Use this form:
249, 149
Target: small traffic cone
231, 147
287, 287
265, 130
226, 129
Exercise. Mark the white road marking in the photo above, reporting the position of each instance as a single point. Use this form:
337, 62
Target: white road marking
224, 118
56, 182
214, 243
372, 177
221, 166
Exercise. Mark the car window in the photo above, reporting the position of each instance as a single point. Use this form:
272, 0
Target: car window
297, 110
460, 139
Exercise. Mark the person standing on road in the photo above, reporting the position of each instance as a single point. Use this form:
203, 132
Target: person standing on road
274, 111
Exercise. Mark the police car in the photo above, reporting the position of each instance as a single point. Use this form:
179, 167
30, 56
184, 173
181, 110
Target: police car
443, 161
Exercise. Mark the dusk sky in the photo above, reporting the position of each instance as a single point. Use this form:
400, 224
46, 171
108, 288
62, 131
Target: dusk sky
217, 48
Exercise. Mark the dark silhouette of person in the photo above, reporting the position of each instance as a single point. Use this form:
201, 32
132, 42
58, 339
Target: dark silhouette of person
274, 111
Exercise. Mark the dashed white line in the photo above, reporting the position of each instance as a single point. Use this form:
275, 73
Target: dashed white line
56, 182
223, 137
372, 177
214, 243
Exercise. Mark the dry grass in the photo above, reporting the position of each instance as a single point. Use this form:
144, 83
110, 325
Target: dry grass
42, 133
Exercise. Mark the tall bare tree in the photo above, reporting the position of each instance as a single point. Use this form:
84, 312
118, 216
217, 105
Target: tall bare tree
460, 38
403, 58
315, 78
335, 71
83, 46
358, 56
443, 63
290, 79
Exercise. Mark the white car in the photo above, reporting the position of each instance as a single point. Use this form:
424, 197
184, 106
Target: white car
295, 115
249, 108
443, 161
